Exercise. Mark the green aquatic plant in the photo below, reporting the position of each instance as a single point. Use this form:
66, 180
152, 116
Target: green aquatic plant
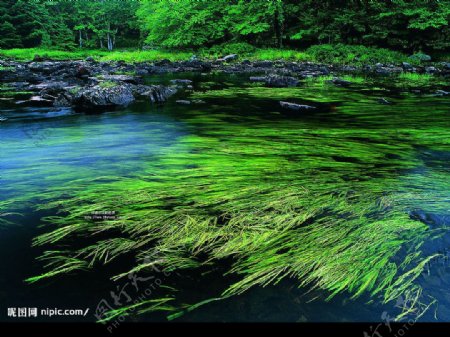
108, 84
415, 78
318, 202
356, 54
14, 93
325, 80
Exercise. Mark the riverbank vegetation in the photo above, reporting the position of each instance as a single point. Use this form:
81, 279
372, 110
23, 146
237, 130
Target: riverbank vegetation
328, 54
330, 32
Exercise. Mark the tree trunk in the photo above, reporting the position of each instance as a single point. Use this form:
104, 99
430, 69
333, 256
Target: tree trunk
279, 25
110, 42
101, 43
108, 38
81, 40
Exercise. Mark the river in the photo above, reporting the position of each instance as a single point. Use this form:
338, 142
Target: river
233, 138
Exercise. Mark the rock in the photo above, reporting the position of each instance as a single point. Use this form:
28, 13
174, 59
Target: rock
83, 72
46, 67
431, 70
340, 82
164, 62
421, 57
295, 106
383, 100
263, 64
407, 66
442, 93
349, 69
63, 100
97, 96
38, 58
36, 101
156, 93
258, 78
228, 58
384, 70
430, 219
193, 58
90, 59
246, 62
446, 65
277, 81
193, 65
281, 81
182, 101
51, 85
180, 81
119, 78
141, 71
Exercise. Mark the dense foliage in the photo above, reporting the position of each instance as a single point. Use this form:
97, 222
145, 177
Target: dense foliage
66, 24
396, 24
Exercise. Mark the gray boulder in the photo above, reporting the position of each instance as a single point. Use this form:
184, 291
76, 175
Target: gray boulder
180, 81
431, 70
156, 93
442, 93
183, 101
98, 96
119, 78
340, 82
421, 57
276, 81
295, 106
407, 66
384, 101
228, 58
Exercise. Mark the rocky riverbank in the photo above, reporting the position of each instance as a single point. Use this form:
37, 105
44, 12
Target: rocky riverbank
87, 84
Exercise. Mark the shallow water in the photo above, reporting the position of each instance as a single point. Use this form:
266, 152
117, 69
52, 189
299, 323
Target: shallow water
238, 138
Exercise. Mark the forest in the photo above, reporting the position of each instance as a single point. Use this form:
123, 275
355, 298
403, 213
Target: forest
407, 26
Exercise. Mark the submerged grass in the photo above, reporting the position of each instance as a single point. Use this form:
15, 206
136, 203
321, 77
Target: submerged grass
415, 78
108, 84
325, 80
280, 199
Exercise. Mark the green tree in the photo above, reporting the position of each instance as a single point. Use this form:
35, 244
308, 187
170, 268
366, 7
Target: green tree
257, 20
9, 37
183, 23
